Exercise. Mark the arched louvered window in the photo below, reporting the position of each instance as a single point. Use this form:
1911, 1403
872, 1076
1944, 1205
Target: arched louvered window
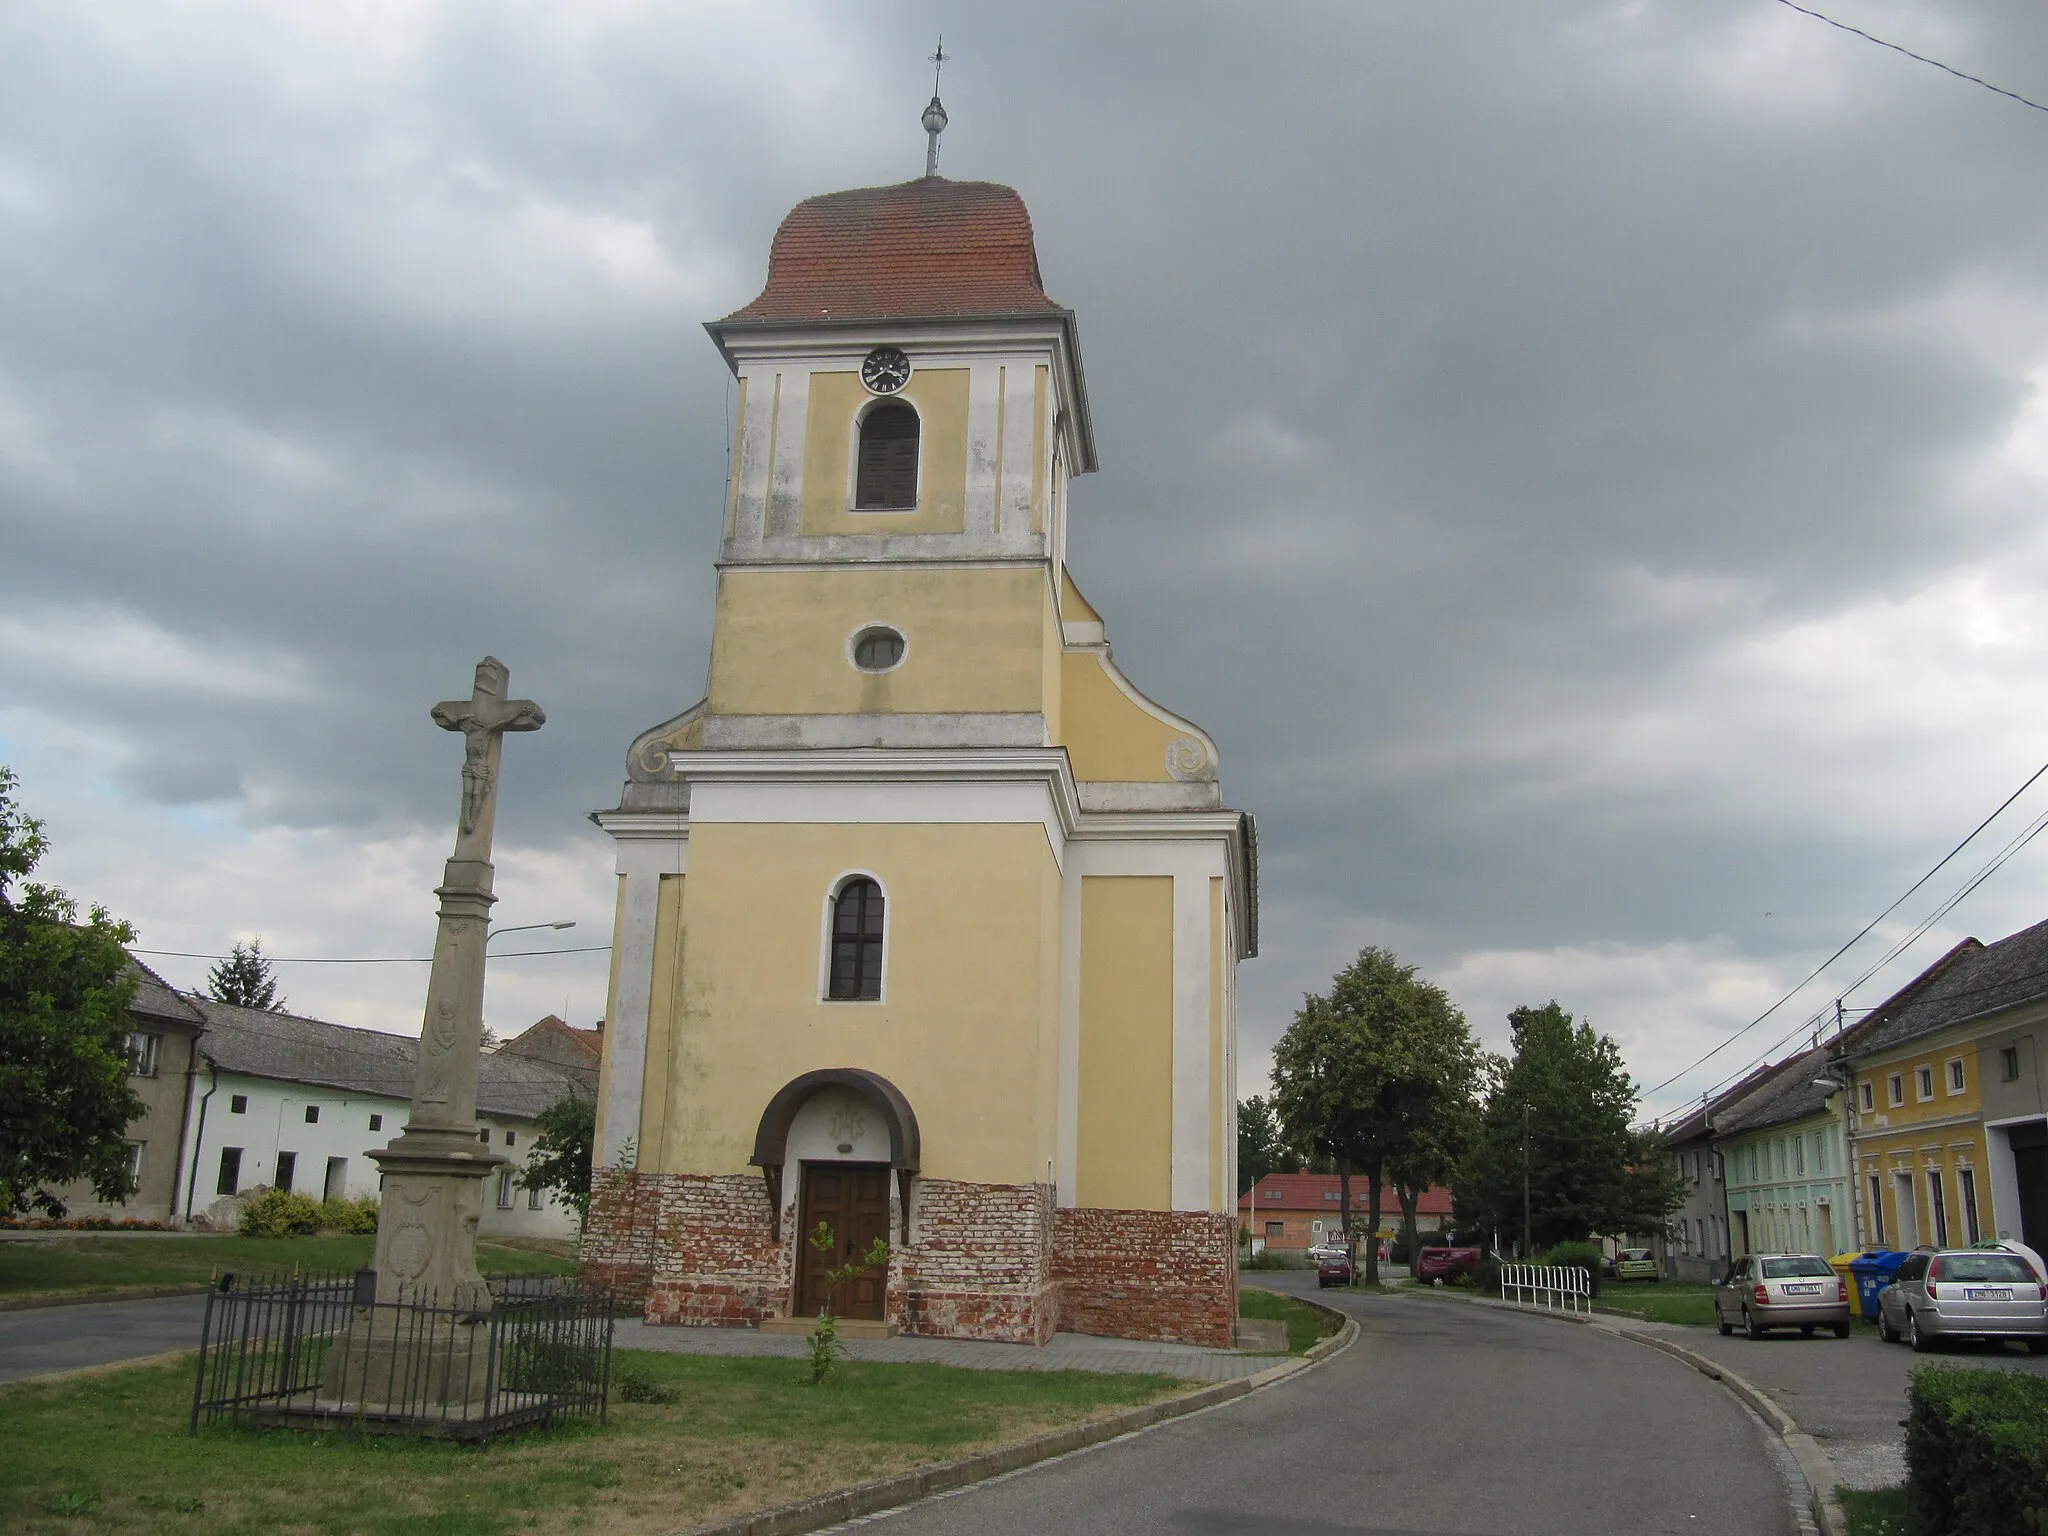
887, 477
856, 969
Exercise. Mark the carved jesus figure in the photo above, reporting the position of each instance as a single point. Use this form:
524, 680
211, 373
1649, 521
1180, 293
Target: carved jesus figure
483, 718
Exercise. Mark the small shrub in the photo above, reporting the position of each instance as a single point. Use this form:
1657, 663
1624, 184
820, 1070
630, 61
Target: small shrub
1977, 1451
1266, 1259
1586, 1256
279, 1213
825, 1348
354, 1217
634, 1384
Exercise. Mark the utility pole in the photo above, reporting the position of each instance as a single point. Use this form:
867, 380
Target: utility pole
1528, 1232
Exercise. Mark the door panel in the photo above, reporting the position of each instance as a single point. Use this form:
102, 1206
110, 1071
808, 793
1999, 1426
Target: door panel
853, 1200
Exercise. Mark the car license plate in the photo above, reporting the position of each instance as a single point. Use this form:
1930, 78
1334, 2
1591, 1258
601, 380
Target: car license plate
1802, 1290
1988, 1293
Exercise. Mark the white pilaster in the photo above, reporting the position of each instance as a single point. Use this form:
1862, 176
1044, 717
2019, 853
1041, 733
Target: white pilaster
786, 475
642, 862
1067, 1140
984, 459
1193, 1062
1020, 436
757, 432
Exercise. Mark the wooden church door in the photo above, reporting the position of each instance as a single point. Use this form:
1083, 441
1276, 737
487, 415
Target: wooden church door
853, 1200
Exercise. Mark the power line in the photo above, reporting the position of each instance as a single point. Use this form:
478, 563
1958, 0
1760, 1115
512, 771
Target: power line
1918, 57
1861, 934
509, 954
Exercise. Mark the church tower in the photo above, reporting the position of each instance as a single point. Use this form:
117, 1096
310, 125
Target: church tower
928, 920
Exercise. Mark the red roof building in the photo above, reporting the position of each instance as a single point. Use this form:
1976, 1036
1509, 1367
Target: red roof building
1299, 1210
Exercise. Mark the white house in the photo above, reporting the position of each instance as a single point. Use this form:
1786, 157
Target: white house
297, 1103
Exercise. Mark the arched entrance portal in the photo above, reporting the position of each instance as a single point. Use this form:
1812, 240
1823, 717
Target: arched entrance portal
847, 1130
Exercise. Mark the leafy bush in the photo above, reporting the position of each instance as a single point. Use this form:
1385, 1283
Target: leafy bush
1267, 1259
355, 1217
1977, 1451
634, 1384
279, 1213
1586, 1256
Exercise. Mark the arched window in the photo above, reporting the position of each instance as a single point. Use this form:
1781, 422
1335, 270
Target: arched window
856, 970
887, 477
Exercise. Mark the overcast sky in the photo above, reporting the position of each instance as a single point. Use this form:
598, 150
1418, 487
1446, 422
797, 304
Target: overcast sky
1582, 462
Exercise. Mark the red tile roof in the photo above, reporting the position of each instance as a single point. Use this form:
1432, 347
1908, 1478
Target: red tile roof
1321, 1192
924, 247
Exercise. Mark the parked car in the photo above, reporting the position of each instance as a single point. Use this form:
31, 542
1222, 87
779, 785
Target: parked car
1437, 1263
1636, 1264
1335, 1269
1782, 1290
1323, 1251
1969, 1293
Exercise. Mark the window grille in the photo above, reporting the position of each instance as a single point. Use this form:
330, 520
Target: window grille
1955, 1075
887, 477
238, 1103
856, 970
312, 1114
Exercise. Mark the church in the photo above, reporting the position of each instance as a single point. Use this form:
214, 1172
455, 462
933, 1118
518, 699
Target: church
928, 920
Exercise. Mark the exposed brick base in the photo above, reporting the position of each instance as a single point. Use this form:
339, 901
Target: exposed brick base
985, 1261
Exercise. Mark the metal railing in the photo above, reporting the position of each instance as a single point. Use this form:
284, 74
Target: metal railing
1550, 1287
320, 1351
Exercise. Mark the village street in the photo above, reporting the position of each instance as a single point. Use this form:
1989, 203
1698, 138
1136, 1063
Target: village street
1463, 1421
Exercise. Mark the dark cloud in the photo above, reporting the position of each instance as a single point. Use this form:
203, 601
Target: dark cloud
1580, 462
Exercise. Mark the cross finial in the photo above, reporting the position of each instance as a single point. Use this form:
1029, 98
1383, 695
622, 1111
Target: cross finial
935, 114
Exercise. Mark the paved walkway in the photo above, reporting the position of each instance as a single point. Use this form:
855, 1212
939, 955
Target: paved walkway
1066, 1352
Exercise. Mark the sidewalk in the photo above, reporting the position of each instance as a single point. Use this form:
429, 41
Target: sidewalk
1066, 1352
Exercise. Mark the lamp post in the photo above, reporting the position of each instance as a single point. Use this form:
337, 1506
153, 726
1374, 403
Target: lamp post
526, 928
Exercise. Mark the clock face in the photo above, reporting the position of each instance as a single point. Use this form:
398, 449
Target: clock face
885, 370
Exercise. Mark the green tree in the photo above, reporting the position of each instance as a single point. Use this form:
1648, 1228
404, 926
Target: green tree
1367, 1075
245, 979
65, 987
560, 1161
1557, 1114
1261, 1147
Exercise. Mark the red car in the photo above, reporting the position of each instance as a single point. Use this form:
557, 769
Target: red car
1334, 1269
1445, 1262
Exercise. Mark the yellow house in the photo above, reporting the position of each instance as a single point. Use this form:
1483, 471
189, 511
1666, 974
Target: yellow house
928, 920
1950, 1141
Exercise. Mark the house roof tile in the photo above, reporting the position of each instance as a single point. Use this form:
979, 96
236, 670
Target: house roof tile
929, 247
1321, 1192
1969, 982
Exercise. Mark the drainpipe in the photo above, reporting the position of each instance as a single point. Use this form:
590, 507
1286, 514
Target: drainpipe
199, 1137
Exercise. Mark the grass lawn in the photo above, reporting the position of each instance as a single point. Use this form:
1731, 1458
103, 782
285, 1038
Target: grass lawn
107, 1263
1305, 1325
1660, 1301
111, 1454
1881, 1512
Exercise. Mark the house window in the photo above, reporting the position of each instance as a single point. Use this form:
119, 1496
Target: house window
508, 1138
1955, 1075
230, 1171
376, 1122
134, 1163
287, 1165
1276, 1231
1799, 1155
1938, 1205
238, 1103
504, 1189
1895, 1087
878, 648
1866, 1097
484, 1135
2009, 1064
856, 963
142, 1049
1876, 1212
1923, 1082
886, 480
1966, 1191
533, 1198
312, 1114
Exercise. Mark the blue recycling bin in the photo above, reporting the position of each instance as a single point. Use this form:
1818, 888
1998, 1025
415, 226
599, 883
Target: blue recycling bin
1874, 1271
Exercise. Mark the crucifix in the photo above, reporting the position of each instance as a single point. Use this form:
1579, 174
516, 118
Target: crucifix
434, 1171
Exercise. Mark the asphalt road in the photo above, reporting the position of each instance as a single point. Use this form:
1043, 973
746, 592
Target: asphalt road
40, 1339
1446, 1420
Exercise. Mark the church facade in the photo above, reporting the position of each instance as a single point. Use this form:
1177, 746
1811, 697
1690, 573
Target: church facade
928, 920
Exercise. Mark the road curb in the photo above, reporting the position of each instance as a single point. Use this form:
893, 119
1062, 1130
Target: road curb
87, 1298
1812, 1461
908, 1487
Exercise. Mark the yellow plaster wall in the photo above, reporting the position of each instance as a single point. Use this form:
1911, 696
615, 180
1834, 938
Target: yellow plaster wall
661, 998
940, 397
1106, 733
968, 1023
1072, 604
976, 638
1125, 1117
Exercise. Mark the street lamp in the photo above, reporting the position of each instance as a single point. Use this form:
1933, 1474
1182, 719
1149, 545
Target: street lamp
526, 928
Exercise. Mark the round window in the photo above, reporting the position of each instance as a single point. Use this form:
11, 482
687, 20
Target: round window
877, 649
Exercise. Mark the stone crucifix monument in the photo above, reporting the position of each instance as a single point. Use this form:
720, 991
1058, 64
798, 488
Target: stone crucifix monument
433, 1172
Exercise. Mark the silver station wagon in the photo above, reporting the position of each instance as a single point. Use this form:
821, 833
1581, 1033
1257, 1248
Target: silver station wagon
1967, 1293
1782, 1290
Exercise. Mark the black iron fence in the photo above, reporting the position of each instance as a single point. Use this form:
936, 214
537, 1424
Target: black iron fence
319, 1351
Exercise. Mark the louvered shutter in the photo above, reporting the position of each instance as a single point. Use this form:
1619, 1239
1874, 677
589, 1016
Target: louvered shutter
887, 478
